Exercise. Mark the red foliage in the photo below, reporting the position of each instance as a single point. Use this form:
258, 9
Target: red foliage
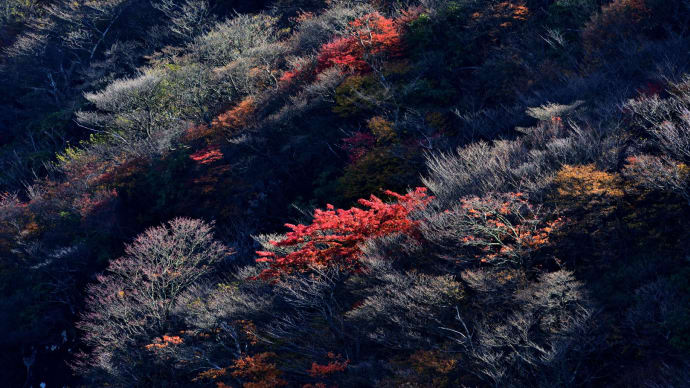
358, 145
371, 35
341, 52
301, 71
207, 155
335, 236
334, 365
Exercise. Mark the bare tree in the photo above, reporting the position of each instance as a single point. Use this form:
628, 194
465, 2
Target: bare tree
189, 18
132, 303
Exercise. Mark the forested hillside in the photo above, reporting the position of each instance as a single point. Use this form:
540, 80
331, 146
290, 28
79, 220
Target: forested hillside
350, 193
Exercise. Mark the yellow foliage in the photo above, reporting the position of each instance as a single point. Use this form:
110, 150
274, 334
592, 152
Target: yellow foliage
591, 200
352, 94
586, 188
382, 129
380, 168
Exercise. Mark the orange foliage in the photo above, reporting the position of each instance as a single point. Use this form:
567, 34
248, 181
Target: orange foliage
196, 132
512, 12
302, 16
504, 227
580, 183
164, 342
209, 181
211, 374
259, 372
587, 194
506, 13
335, 236
426, 368
290, 75
237, 117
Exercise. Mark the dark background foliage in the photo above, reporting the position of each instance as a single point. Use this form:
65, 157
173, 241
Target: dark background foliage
150, 148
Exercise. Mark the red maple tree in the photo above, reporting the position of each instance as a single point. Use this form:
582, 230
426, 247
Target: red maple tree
335, 236
334, 365
370, 35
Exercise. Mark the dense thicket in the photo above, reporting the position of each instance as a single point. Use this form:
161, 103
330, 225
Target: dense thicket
354, 193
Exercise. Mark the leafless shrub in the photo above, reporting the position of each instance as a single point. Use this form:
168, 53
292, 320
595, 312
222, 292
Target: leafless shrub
86, 26
526, 164
11, 211
403, 310
269, 57
547, 112
659, 173
189, 18
655, 304
207, 307
133, 303
488, 123
134, 112
494, 289
474, 170
323, 90
674, 138
231, 39
533, 342
311, 298
324, 87
667, 120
